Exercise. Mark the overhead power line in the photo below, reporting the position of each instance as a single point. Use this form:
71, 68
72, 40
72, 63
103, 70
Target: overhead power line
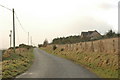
22, 27
20, 23
17, 35
6, 7
16, 18
14, 25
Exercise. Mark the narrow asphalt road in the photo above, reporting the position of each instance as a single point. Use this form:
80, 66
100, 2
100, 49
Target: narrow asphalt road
49, 66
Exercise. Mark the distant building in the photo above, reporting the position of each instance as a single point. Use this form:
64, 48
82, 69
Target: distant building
90, 35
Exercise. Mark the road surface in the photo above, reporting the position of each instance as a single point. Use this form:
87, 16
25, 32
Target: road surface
49, 66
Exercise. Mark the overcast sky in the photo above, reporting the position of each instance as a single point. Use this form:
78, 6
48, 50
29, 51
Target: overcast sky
56, 18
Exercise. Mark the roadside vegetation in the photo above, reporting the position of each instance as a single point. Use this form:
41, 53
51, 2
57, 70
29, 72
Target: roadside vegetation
103, 64
16, 63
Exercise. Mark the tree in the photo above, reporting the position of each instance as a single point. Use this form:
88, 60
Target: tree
25, 46
39, 45
110, 34
45, 43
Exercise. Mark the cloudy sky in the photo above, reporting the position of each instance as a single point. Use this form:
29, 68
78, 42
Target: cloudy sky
56, 18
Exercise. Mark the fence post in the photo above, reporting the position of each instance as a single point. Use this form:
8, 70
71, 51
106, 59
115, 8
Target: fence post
92, 47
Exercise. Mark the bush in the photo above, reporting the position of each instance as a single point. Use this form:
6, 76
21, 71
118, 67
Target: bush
25, 46
40, 45
54, 47
62, 49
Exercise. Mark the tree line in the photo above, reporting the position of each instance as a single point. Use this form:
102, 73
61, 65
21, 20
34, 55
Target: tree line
77, 38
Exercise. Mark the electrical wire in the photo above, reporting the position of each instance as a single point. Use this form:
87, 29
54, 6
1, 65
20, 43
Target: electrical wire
5, 7
17, 20
18, 36
20, 23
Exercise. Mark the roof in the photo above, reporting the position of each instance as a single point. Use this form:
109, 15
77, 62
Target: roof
88, 34
84, 33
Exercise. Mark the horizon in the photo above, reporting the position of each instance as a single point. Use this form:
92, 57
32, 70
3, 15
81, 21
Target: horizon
56, 18
55, 38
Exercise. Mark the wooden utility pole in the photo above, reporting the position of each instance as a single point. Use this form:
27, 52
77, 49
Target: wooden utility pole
28, 38
31, 40
13, 30
10, 37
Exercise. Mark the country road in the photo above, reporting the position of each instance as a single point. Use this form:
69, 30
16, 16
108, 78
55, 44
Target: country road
49, 66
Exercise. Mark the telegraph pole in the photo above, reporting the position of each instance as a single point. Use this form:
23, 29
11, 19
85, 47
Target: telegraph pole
10, 37
28, 38
31, 40
13, 30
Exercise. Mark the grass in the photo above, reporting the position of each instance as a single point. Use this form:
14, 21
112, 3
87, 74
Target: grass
103, 64
17, 63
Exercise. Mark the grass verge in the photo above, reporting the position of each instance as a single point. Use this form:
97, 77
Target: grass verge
103, 64
17, 63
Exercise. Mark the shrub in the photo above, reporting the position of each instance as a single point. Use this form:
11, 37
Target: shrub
54, 47
62, 49
40, 45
